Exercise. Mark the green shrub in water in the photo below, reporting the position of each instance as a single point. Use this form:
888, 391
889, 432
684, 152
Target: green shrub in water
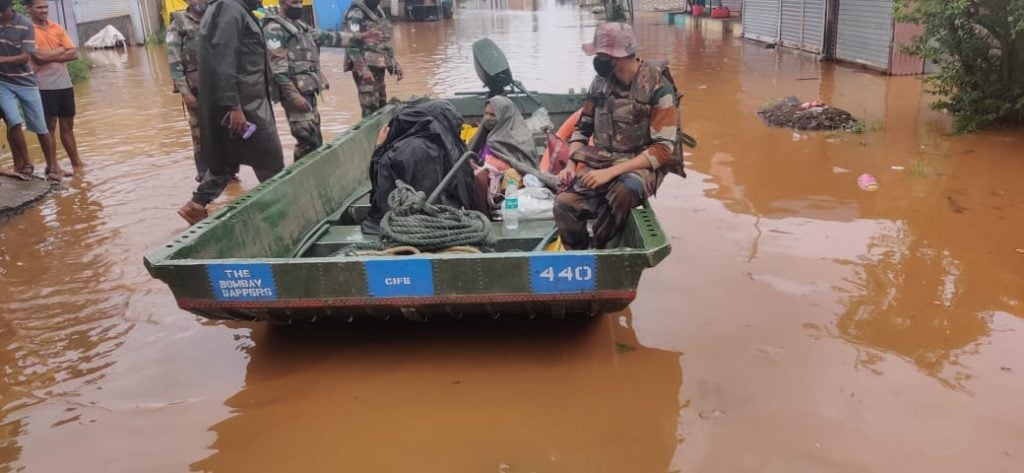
978, 46
79, 70
158, 37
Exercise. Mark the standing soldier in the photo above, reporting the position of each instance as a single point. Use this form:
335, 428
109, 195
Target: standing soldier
293, 48
631, 112
183, 57
370, 59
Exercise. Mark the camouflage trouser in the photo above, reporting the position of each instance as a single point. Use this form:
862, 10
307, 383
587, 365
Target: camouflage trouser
305, 127
193, 124
610, 205
372, 91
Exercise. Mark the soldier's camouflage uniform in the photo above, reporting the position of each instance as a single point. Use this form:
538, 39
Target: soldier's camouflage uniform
369, 60
183, 57
293, 49
625, 121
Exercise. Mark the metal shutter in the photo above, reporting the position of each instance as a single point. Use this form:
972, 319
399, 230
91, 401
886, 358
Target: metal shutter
865, 32
93, 10
761, 20
803, 24
734, 6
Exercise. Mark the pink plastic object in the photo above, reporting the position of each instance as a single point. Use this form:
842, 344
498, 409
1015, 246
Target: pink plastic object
867, 182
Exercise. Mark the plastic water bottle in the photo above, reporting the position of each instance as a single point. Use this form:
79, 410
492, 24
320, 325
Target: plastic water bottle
510, 209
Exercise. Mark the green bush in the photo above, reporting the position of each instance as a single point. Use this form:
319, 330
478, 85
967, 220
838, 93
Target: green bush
157, 37
79, 70
978, 46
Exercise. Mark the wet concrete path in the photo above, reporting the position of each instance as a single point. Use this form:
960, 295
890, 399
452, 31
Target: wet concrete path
800, 324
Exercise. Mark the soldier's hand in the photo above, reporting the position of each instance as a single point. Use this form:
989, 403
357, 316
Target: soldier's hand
301, 105
566, 176
597, 178
398, 74
236, 121
190, 101
371, 36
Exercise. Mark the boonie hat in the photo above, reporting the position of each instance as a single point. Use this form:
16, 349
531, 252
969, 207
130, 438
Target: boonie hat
613, 39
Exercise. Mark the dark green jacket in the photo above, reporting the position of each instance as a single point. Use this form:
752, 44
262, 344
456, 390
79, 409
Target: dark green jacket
234, 72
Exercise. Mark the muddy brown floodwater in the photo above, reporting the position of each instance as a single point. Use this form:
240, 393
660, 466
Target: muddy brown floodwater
800, 325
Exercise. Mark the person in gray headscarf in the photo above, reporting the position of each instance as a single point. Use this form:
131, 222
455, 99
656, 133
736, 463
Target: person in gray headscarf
505, 141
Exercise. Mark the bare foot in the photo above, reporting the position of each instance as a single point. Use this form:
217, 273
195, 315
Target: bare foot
12, 173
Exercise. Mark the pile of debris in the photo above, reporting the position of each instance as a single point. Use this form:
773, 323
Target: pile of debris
790, 112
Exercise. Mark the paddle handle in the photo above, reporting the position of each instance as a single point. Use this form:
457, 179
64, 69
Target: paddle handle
448, 178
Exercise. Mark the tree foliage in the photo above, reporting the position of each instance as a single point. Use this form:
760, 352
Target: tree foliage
978, 46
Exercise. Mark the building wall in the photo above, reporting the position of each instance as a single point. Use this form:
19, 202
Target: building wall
862, 31
658, 5
88, 11
63, 12
903, 64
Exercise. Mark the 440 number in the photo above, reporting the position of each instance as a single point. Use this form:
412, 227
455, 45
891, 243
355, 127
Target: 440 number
568, 274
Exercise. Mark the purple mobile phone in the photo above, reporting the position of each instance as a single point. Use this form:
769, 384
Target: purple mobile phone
250, 128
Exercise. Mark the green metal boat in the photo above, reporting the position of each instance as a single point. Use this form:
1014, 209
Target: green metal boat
268, 255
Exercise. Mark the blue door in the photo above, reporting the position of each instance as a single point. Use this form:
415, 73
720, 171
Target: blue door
330, 13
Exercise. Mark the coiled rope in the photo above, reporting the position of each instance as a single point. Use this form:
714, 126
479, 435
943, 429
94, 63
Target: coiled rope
412, 222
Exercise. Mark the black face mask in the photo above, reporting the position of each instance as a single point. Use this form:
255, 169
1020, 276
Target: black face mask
373, 4
293, 13
604, 67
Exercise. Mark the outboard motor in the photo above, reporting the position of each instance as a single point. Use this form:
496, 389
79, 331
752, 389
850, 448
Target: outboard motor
492, 66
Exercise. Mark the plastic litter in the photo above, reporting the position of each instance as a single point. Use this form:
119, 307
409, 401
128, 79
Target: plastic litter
540, 121
867, 182
108, 37
531, 181
897, 168
536, 203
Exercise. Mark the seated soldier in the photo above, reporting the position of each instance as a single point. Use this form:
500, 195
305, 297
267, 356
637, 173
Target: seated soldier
631, 112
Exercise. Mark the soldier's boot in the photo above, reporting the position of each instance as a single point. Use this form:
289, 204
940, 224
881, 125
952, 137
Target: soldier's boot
193, 213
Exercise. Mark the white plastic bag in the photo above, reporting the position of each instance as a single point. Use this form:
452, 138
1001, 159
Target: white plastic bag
536, 203
540, 121
108, 37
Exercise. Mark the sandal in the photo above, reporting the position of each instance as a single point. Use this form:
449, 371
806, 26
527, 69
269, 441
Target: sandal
54, 178
66, 173
27, 169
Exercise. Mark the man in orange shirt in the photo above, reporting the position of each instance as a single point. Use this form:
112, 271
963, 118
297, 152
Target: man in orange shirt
53, 50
